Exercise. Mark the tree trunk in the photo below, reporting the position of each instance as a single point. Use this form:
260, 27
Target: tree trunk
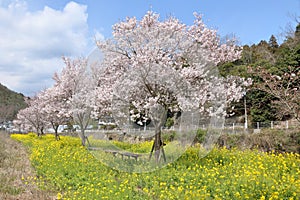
82, 137
55, 127
37, 131
42, 131
158, 145
56, 133
83, 121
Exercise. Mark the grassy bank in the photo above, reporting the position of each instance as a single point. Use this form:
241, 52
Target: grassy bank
267, 140
14, 166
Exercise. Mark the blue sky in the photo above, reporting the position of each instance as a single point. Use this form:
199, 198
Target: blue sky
36, 33
250, 20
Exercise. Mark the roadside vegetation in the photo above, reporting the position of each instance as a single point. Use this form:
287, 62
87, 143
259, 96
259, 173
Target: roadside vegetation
14, 167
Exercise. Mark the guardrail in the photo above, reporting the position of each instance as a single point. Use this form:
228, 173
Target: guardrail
228, 127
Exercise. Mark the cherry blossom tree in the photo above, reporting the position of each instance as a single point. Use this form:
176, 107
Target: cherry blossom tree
74, 87
31, 117
55, 109
154, 66
69, 99
44, 110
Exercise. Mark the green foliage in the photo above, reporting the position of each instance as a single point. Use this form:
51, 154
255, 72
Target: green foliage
272, 57
273, 43
200, 136
170, 122
10, 103
232, 69
108, 126
168, 136
289, 55
260, 104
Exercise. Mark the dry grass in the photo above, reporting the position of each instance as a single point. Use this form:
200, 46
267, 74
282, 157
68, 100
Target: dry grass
14, 164
267, 140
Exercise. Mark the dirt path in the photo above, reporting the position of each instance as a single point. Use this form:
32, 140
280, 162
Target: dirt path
15, 164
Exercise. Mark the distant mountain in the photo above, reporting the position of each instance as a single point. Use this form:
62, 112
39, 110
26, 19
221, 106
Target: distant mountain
10, 103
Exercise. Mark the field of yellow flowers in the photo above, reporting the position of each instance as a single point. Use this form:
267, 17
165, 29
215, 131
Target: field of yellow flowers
75, 173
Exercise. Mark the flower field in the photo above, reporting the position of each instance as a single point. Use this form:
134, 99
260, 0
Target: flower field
71, 170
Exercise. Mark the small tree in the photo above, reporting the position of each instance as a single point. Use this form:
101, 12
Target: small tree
74, 87
273, 43
55, 109
32, 117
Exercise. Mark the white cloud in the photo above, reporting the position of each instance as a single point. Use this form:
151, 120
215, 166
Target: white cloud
32, 43
98, 35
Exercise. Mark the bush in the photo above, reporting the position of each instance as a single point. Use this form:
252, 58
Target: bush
169, 122
108, 126
168, 136
200, 136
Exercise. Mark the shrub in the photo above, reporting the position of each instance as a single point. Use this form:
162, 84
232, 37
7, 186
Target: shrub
169, 123
168, 136
200, 136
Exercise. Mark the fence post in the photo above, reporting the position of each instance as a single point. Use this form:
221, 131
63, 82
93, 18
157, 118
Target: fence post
272, 125
257, 125
245, 111
287, 124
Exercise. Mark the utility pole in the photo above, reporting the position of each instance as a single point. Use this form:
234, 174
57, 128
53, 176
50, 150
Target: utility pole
245, 107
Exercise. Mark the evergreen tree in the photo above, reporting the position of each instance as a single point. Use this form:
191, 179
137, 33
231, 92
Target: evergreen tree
297, 32
273, 43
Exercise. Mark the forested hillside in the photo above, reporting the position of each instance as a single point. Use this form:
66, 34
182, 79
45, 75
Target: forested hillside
10, 103
275, 59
